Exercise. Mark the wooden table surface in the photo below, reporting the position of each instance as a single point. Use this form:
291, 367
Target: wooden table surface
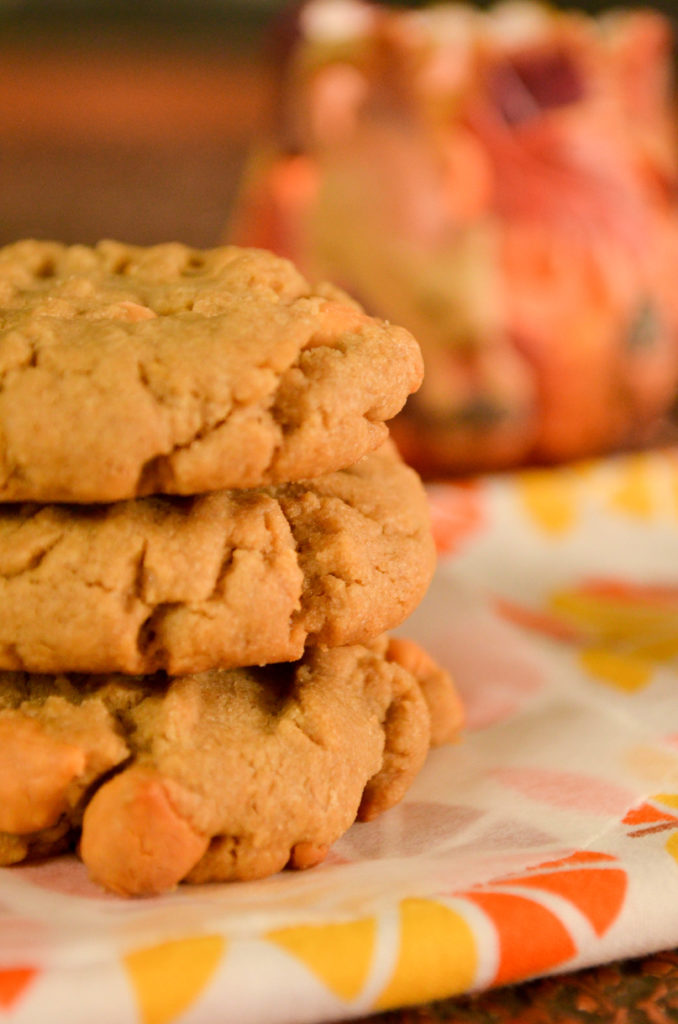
110, 134
643, 991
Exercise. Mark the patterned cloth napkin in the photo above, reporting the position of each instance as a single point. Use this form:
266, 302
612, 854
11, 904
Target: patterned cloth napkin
546, 839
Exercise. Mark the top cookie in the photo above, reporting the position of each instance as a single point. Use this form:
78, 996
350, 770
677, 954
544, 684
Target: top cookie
127, 371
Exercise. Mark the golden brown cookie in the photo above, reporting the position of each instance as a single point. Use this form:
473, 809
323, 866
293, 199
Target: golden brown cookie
127, 371
220, 580
223, 775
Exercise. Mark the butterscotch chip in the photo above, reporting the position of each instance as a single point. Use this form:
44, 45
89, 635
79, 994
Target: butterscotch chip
225, 579
216, 776
127, 371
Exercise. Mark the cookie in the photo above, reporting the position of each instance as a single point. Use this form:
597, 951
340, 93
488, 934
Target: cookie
224, 579
217, 776
128, 371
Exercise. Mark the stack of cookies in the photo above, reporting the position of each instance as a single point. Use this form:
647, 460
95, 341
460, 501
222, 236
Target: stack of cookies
204, 535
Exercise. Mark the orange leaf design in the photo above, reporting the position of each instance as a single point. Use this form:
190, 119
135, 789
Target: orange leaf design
13, 984
652, 815
578, 857
646, 814
597, 894
531, 938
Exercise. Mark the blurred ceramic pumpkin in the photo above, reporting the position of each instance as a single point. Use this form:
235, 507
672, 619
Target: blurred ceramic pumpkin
504, 183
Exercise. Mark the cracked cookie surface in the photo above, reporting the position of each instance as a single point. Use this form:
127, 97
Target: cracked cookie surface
217, 776
224, 579
127, 371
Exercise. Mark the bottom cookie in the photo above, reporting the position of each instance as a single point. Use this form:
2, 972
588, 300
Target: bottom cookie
217, 776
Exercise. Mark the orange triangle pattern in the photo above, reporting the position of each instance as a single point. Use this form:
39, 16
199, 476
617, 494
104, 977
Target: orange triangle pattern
531, 938
597, 893
13, 983
646, 814
578, 857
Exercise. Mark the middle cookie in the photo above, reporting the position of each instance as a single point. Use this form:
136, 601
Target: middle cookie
227, 579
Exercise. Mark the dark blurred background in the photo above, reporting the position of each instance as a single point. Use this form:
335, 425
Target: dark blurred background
131, 119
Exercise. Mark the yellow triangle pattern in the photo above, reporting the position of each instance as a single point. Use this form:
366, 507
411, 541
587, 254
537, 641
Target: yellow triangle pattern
340, 955
634, 494
672, 845
167, 979
668, 799
622, 671
630, 637
618, 619
674, 482
437, 955
550, 498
